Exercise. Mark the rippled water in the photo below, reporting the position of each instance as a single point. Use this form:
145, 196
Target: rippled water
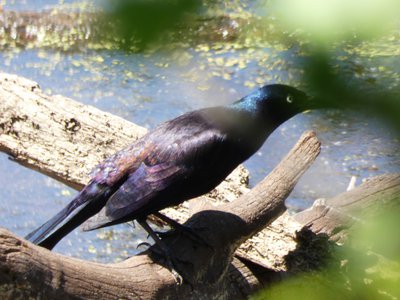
150, 88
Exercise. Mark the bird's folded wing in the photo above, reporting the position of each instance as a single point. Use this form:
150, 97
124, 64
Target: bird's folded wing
135, 193
167, 161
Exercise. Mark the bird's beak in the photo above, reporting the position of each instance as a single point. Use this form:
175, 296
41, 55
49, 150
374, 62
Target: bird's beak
315, 103
321, 102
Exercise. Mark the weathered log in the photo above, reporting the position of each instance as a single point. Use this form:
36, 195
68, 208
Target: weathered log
37, 272
56, 136
22, 121
334, 216
25, 269
33, 271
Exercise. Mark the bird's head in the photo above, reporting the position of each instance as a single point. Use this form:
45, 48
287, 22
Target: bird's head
277, 102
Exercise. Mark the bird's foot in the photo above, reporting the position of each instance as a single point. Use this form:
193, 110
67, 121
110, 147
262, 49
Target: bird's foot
178, 277
164, 251
164, 254
181, 229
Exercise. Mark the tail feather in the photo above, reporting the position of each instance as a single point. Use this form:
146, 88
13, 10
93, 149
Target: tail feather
87, 211
39, 233
71, 216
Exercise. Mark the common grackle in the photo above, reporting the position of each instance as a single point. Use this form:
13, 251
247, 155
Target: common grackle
180, 159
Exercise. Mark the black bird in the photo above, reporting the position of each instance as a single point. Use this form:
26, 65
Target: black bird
180, 159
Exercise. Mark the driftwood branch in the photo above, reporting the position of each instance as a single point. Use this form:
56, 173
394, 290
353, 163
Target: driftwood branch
45, 274
31, 271
56, 136
68, 125
333, 216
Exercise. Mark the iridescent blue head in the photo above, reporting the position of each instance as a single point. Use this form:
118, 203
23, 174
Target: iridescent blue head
277, 102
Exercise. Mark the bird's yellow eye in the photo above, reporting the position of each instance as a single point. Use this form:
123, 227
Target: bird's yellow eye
289, 98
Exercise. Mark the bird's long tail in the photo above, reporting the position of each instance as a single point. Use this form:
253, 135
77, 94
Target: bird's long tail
86, 204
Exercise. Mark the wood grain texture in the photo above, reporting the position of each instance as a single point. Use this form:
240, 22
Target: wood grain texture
55, 135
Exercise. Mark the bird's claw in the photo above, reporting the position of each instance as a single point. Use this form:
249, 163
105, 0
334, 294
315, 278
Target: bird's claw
166, 256
148, 245
178, 277
132, 224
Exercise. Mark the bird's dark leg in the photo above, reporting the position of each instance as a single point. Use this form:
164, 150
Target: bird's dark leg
168, 220
164, 249
148, 245
181, 229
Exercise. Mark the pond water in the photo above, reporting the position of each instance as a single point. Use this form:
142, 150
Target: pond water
150, 88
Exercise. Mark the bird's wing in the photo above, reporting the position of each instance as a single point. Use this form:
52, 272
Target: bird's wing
136, 193
169, 162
